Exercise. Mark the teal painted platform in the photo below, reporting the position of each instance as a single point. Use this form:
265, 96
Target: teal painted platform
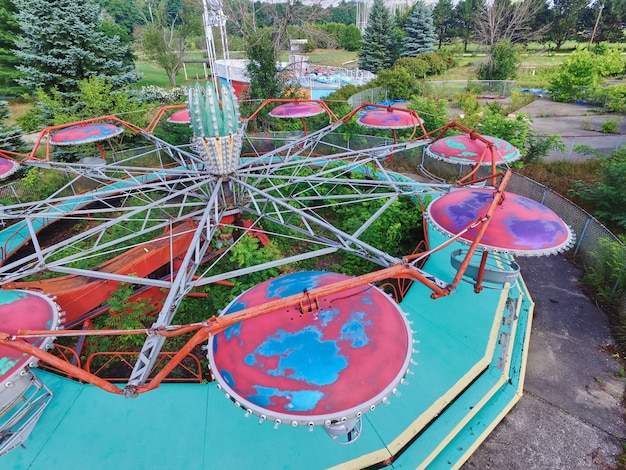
472, 350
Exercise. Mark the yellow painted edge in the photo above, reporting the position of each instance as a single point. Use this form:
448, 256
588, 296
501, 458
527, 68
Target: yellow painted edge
519, 392
503, 378
416, 426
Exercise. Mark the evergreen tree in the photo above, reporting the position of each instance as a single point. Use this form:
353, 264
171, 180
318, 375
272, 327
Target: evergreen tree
420, 32
62, 43
9, 30
443, 21
264, 79
378, 47
10, 136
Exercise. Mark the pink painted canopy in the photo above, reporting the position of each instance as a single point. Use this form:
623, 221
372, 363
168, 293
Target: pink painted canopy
389, 118
519, 225
180, 117
21, 309
7, 167
297, 109
303, 366
85, 133
465, 150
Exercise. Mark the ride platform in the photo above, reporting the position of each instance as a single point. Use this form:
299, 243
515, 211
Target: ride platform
471, 356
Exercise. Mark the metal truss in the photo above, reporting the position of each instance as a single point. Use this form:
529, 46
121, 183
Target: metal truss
290, 190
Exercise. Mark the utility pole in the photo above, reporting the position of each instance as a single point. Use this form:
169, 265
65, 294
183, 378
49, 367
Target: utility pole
595, 27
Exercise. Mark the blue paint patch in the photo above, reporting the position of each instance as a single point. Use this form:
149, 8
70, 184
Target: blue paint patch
10, 296
250, 360
232, 331
294, 283
354, 330
326, 316
236, 306
228, 378
304, 356
300, 400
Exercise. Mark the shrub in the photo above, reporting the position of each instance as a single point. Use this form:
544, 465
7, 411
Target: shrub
608, 194
606, 274
610, 126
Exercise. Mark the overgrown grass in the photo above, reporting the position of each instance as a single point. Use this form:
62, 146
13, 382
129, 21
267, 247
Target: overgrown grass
558, 175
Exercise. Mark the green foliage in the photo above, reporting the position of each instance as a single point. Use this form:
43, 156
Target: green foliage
468, 102
379, 44
538, 146
38, 184
608, 194
264, 79
398, 83
9, 31
62, 43
579, 76
606, 274
10, 136
514, 130
420, 31
427, 63
610, 126
351, 39
501, 63
616, 98
433, 111
95, 97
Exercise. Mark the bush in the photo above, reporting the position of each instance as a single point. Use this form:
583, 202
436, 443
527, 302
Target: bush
616, 98
608, 194
606, 274
433, 111
501, 63
610, 126
397, 81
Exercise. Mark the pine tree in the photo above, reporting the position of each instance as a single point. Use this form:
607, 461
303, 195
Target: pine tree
62, 43
378, 46
10, 136
420, 31
9, 30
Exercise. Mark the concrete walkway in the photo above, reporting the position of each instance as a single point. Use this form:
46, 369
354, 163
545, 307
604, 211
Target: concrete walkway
571, 415
576, 124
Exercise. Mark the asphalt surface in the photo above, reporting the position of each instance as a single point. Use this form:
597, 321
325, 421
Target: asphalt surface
572, 413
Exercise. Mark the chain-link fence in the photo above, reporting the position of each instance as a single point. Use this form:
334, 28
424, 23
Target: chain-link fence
484, 88
605, 144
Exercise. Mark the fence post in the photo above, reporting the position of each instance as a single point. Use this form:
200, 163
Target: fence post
582, 235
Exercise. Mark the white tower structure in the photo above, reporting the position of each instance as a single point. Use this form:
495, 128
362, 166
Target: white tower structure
214, 16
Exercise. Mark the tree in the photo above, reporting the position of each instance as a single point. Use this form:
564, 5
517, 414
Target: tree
577, 72
443, 21
351, 40
610, 16
9, 31
123, 12
504, 20
168, 29
501, 64
61, 43
563, 20
10, 136
378, 48
420, 32
464, 15
264, 80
